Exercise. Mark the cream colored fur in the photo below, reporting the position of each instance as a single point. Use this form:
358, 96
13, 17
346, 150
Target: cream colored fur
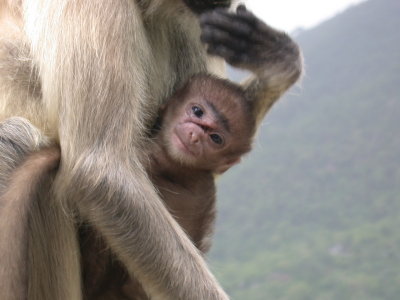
92, 75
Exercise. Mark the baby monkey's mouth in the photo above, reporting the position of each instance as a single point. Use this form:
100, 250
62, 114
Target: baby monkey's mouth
181, 143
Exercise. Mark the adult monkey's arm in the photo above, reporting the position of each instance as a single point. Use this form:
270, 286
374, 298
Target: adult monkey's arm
93, 58
248, 43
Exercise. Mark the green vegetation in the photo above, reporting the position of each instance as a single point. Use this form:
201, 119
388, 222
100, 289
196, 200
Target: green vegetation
314, 211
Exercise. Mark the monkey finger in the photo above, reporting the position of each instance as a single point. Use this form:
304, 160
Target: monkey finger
227, 22
241, 8
245, 26
241, 14
262, 30
245, 14
228, 54
214, 36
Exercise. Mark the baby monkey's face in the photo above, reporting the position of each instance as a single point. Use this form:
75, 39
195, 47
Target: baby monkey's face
202, 133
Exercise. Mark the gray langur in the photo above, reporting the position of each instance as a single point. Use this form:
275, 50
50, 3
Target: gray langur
91, 76
203, 130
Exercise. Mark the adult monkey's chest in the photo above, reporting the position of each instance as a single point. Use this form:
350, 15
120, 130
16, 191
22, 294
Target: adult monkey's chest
176, 53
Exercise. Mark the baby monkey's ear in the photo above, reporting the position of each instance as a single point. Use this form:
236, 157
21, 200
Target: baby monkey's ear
226, 165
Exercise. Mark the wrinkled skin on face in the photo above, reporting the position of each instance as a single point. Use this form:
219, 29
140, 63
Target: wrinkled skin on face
200, 6
205, 134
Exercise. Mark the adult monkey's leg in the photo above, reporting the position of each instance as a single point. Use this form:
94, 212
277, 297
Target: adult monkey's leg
18, 139
38, 258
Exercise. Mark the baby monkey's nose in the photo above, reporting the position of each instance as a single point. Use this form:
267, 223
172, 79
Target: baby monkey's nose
194, 137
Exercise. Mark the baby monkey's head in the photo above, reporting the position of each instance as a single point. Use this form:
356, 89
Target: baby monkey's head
208, 124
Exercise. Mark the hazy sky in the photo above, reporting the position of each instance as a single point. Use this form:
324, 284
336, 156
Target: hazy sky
291, 14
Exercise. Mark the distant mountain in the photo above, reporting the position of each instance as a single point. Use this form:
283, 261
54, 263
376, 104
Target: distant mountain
314, 212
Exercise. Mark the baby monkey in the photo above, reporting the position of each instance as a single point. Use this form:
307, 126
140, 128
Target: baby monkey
203, 130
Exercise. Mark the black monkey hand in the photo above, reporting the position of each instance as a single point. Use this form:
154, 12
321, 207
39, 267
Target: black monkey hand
245, 41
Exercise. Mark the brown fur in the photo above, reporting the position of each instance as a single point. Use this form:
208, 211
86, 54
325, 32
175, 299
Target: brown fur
92, 76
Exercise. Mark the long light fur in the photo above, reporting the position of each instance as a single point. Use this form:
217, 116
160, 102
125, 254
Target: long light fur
93, 75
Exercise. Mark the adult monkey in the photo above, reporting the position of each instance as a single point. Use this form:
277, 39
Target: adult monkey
97, 71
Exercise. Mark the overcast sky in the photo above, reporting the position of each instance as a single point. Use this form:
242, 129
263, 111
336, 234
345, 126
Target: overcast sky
292, 14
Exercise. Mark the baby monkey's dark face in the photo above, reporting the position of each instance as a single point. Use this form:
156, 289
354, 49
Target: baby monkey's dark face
202, 133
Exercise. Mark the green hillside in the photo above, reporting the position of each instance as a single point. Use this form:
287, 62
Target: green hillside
314, 212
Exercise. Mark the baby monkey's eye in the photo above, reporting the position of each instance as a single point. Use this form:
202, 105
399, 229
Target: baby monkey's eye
216, 138
198, 112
